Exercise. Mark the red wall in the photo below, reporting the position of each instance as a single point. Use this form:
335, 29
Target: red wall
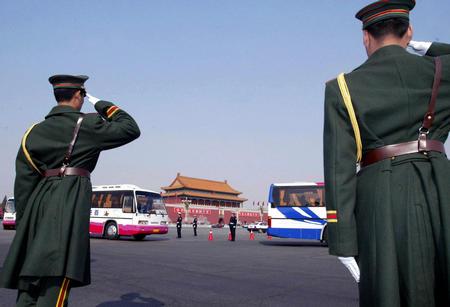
211, 216
203, 215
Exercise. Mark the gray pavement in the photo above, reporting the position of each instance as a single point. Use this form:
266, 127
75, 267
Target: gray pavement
192, 271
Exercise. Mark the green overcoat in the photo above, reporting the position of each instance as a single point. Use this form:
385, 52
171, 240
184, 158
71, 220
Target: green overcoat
393, 215
52, 236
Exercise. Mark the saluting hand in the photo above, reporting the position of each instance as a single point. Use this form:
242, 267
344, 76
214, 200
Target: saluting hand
351, 265
92, 99
419, 48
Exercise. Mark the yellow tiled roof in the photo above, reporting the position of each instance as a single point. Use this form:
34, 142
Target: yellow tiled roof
201, 184
204, 195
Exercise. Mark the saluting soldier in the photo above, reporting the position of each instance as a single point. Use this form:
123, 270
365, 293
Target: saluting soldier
194, 225
232, 224
50, 251
394, 214
179, 224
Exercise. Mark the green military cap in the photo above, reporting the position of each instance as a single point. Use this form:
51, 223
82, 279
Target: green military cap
385, 9
68, 81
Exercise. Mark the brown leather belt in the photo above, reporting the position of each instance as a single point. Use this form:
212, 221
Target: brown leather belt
390, 151
68, 171
422, 145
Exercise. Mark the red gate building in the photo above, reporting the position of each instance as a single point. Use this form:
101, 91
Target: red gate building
211, 201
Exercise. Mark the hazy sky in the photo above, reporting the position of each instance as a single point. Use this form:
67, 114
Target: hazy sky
220, 89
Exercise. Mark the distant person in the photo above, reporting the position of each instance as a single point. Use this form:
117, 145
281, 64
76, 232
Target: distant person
194, 225
179, 225
393, 216
53, 192
232, 224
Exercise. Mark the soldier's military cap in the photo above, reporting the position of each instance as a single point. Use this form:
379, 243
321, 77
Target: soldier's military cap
68, 81
385, 9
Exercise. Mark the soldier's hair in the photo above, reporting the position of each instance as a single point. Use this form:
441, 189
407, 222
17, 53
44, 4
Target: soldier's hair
64, 94
394, 26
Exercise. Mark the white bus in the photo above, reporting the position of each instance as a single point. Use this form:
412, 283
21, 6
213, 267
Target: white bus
297, 210
127, 210
9, 216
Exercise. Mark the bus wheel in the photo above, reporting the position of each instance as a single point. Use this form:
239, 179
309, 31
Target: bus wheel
111, 231
139, 237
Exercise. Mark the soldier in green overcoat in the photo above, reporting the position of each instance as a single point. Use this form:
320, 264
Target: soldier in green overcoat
393, 215
52, 190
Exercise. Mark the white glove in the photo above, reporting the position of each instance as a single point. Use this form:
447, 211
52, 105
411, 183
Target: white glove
419, 48
92, 99
351, 265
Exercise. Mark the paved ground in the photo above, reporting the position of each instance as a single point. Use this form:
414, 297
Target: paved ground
192, 271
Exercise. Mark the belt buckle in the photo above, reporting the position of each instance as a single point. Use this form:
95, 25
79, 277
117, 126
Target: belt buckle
422, 140
62, 170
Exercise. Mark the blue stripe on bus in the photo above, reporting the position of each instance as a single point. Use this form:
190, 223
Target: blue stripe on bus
291, 213
309, 234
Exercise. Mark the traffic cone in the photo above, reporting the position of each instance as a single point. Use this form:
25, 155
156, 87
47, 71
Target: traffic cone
210, 237
252, 235
229, 236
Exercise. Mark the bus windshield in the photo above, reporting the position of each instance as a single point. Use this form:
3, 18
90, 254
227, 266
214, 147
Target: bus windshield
297, 196
148, 202
10, 207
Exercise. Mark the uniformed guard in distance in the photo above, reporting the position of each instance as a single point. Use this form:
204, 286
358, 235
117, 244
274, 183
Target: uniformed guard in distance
392, 115
52, 190
232, 224
179, 225
194, 225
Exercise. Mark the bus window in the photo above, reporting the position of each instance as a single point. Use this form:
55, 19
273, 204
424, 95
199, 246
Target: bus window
96, 200
10, 207
107, 202
303, 196
128, 204
115, 200
149, 202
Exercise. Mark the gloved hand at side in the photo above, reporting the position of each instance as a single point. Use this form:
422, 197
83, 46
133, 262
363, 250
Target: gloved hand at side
419, 48
351, 265
92, 99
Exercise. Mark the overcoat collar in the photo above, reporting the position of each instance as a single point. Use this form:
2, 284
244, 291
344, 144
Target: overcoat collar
388, 50
61, 110
384, 52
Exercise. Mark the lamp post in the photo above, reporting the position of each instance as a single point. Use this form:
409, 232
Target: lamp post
187, 202
261, 214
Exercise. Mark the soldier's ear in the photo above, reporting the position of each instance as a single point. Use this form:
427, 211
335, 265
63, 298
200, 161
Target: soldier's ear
409, 33
366, 41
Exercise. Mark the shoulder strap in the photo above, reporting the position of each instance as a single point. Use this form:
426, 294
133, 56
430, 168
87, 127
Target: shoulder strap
68, 154
25, 151
351, 112
429, 116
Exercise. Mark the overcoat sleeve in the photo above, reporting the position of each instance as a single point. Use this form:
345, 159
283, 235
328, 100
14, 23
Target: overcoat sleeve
340, 174
114, 128
26, 180
438, 49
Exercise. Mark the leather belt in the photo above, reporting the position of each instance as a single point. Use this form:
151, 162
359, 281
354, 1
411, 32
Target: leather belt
67, 171
390, 151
